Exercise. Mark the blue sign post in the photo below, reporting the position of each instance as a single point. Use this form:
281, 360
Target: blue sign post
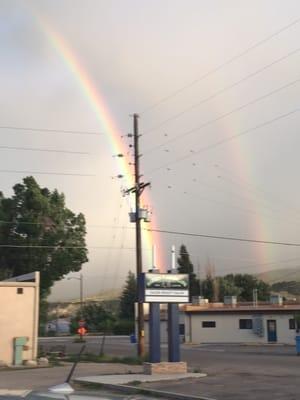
154, 333
171, 289
173, 333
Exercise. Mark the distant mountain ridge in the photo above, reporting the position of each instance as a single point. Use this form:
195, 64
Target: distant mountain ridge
280, 275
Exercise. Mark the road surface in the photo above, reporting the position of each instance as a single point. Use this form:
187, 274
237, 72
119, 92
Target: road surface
235, 372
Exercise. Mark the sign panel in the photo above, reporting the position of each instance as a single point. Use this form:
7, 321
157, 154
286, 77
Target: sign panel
166, 288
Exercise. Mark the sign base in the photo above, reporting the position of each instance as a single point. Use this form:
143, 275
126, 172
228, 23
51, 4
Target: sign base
165, 368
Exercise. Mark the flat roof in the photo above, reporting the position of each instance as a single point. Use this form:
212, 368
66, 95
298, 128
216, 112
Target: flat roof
240, 308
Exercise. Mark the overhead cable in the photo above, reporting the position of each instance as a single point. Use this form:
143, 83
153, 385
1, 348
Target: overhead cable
13, 171
226, 88
58, 247
231, 238
42, 150
223, 141
220, 66
46, 130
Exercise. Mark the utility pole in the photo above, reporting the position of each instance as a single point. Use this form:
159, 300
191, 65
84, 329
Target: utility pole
136, 217
138, 234
80, 278
81, 295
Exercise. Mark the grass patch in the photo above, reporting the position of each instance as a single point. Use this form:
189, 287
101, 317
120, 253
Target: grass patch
87, 385
87, 357
134, 383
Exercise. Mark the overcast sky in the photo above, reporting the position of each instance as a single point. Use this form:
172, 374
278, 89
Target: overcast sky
205, 177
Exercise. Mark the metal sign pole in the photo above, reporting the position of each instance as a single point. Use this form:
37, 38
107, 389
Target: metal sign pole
154, 323
173, 323
154, 333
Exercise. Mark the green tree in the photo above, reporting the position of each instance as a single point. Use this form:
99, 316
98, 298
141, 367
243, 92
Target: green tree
96, 318
128, 298
228, 287
185, 266
44, 234
240, 285
207, 288
247, 283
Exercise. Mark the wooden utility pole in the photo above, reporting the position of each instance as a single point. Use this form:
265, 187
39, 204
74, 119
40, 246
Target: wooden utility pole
139, 263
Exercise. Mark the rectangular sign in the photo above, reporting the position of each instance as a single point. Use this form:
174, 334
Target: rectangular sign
166, 288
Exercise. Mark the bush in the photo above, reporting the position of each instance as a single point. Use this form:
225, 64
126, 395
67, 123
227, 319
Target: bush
123, 327
96, 317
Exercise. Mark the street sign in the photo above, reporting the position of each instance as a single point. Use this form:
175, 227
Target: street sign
166, 288
82, 331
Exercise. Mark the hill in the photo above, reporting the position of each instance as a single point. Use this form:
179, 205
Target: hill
280, 275
67, 308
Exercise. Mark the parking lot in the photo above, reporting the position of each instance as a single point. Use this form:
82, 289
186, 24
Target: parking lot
233, 371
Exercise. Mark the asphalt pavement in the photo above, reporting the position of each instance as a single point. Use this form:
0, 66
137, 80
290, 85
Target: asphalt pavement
234, 371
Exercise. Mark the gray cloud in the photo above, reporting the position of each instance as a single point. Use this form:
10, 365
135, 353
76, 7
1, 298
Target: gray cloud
137, 53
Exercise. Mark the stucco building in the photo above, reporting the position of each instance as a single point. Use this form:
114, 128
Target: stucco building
19, 316
241, 323
232, 322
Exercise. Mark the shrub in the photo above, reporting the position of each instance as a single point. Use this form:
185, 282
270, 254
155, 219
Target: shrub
123, 327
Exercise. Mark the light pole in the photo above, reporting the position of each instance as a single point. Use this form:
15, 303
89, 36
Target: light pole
80, 278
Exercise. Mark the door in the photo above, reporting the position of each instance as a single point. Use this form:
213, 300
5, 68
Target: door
272, 332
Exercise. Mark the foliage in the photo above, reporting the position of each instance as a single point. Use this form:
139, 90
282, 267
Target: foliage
207, 288
105, 358
185, 266
123, 327
240, 285
247, 283
228, 287
128, 298
43, 317
96, 318
36, 216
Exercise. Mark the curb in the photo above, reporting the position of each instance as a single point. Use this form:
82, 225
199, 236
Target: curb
138, 390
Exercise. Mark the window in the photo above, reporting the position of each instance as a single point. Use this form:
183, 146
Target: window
208, 324
19, 290
181, 329
245, 323
292, 324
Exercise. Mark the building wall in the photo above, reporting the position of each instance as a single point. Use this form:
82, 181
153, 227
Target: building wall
227, 328
18, 318
163, 328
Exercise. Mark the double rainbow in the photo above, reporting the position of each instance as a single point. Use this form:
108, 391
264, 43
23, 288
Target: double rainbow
106, 121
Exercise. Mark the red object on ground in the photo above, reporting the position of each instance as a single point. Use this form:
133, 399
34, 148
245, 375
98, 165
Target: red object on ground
81, 331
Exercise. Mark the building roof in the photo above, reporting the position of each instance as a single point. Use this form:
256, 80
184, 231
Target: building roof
242, 308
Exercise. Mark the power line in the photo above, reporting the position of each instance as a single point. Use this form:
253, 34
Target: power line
12, 171
43, 223
113, 240
236, 208
237, 239
263, 264
210, 122
46, 130
219, 67
223, 141
262, 202
42, 150
15, 246
226, 88
236, 181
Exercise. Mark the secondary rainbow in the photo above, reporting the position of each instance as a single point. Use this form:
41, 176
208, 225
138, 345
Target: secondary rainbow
108, 125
